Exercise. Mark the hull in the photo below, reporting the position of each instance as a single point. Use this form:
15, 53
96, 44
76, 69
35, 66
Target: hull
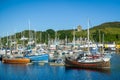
38, 58
16, 60
87, 65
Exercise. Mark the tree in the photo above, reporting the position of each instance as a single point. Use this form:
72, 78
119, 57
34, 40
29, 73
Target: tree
51, 33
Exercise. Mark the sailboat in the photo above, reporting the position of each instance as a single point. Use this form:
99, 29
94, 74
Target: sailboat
11, 59
88, 60
34, 54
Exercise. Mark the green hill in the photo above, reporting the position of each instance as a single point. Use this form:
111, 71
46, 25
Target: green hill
110, 31
108, 25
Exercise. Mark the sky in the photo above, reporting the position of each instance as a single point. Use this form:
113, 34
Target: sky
15, 15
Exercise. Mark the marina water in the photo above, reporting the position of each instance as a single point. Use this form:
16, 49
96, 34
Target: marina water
37, 71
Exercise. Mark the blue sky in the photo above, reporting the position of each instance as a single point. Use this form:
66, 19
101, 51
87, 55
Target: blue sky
55, 14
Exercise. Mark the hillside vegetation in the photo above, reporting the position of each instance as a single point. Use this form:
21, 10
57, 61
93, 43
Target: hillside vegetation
110, 30
107, 32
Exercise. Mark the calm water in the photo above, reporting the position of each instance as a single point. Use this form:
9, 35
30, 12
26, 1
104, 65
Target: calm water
46, 72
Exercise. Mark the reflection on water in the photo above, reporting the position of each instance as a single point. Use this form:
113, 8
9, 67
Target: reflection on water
45, 72
88, 74
106, 71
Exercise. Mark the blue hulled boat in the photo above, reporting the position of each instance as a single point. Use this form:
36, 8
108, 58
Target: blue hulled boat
38, 58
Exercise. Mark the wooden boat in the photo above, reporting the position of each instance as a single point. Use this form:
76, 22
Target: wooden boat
87, 64
89, 60
16, 60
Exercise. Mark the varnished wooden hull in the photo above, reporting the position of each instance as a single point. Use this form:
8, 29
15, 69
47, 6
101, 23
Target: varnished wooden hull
16, 60
87, 65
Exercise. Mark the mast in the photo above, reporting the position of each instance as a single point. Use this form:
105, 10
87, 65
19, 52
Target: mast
55, 37
48, 40
7, 40
103, 43
15, 41
0, 43
40, 37
6, 47
88, 36
29, 29
35, 37
99, 37
23, 37
66, 40
10, 44
29, 34
74, 38
35, 40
